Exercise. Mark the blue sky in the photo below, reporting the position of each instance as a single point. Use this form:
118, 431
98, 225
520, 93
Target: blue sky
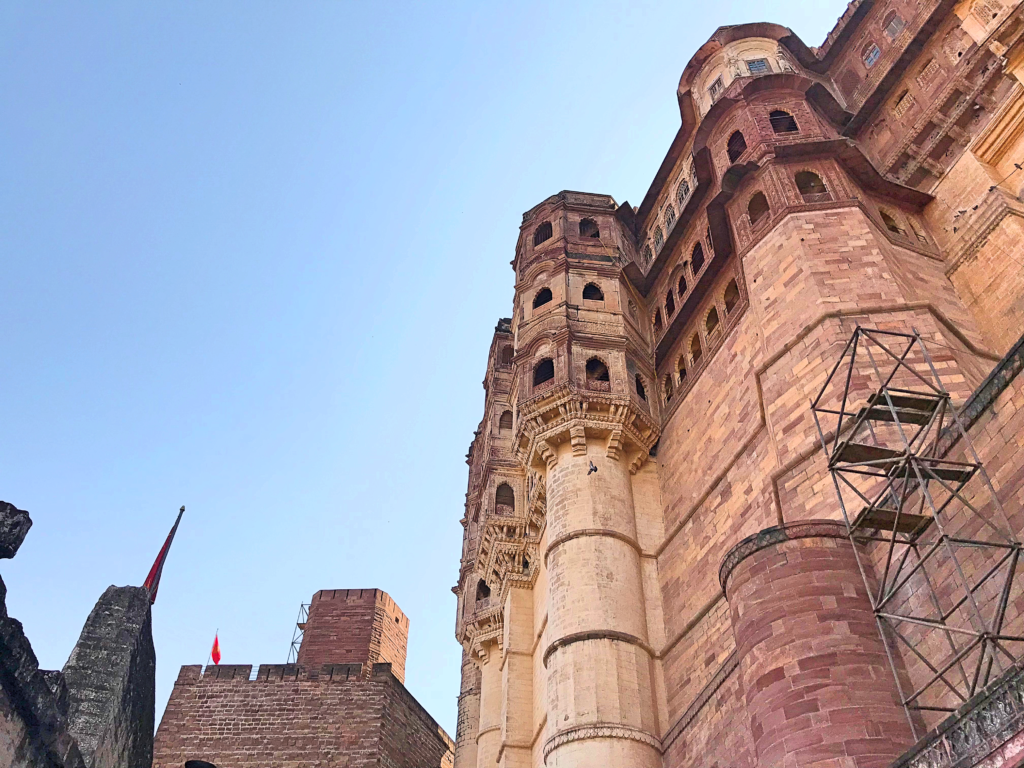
252, 258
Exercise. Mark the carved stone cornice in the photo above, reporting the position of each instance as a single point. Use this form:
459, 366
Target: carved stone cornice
600, 731
566, 412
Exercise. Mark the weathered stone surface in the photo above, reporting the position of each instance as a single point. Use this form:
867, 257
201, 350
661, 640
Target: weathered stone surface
33, 723
110, 677
14, 525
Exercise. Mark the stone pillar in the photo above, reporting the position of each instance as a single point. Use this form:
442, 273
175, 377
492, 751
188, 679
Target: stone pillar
468, 724
488, 740
517, 680
819, 689
600, 700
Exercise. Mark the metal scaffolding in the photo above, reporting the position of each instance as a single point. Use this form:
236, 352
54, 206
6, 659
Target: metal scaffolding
297, 635
934, 546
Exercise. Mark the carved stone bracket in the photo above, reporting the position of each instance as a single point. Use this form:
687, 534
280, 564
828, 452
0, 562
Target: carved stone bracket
578, 438
615, 444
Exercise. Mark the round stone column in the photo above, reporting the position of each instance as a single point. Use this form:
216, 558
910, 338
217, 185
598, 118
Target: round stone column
488, 740
819, 689
600, 700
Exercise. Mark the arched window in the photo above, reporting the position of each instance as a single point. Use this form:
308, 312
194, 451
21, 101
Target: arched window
659, 238
670, 304
631, 309
707, 237
640, 391
542, 233
893, 24
711, 321
890, 223
812, 188
669, 387
869, 54
782, 122
506, 356
482, 590
757, 208
736, 146
670, 216
682, 283
543, 297
592, 292
198, 764
683, 191
645, 255
505, 422
697, 258
545, 371
504, 497
696, 351
597, 374
917, 231
588, 228
657, 321
682, 369
732, 296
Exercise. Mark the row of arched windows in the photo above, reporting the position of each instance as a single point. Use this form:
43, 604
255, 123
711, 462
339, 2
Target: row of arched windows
781, 122
591, 292
810, 186
691, 358
544, 232
694, 266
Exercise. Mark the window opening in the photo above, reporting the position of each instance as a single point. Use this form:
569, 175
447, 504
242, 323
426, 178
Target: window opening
696, 351
670, 216
736, 146
682, 284
504, 497
668, 387
870, 54
782, 121
657, 321
543, 297
716, 89
697, 258
597, 372
757, 208
682, 369
506, 355
683, 192
591, 292
758, 67
812, 188
588, 228
711, 321
545, 371
482, 590
640, 391
542, 233
890, 223
670, 305
505, 422
893, 24
732, 296
659, 238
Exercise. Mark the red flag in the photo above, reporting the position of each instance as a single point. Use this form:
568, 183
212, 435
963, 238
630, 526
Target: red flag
215, 652
152, 582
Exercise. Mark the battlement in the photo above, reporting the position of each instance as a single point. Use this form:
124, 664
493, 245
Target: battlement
272, 673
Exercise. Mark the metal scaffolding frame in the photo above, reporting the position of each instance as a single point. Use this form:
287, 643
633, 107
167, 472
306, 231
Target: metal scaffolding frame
937, 553
300, 631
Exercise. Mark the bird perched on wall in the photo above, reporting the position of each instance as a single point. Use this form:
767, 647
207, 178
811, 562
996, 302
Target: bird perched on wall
592, 469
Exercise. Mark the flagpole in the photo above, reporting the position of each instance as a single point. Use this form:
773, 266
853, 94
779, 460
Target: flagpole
215, 636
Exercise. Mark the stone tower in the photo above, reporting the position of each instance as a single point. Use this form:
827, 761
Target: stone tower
654, 569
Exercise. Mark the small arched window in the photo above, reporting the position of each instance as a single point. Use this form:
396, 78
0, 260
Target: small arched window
588, 228
893, 24
736, 146
682, 369
506, 356
659, 238
890, 223
697, 258
869, 54
711, 321
670, 304
670, 216
732, 296
658, 325
543, 297
542, 233
812, 188
482, 590
504, 497
505, 422
545, 371
645, 255
640, 391
683, 191
757, 208
631, 309
592, 292
682, 283
782, 122
696, 350
669, 387
597, 374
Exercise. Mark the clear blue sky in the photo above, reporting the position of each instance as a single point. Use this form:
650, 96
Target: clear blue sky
252, 257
